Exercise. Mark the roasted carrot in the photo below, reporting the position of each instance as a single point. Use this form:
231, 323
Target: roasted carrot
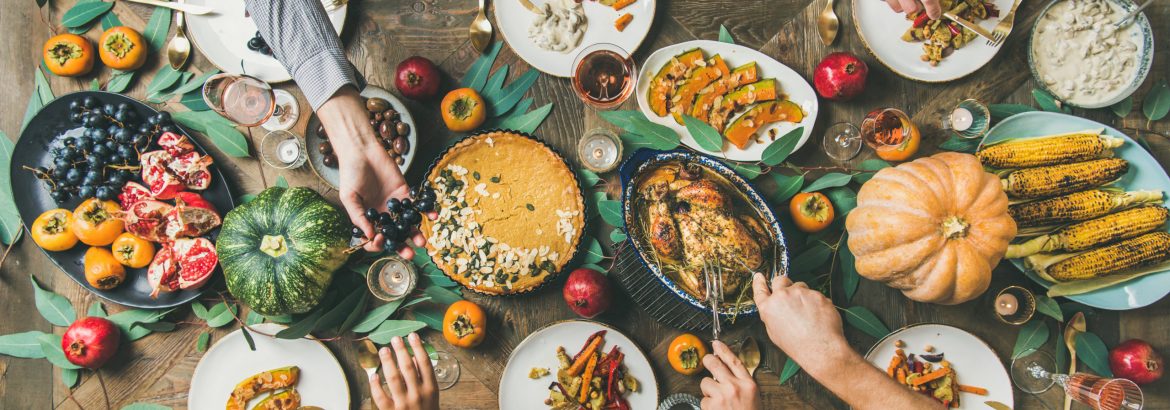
900, 375
973, 389
587, 379
895, 363
621, 4
583, 357
623, 21
932, 376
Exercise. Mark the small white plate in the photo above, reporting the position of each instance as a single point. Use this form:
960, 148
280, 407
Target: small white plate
975, 361
222, 36
881, 28
540, 350
793, 87
322, 381
330, 175
513, 20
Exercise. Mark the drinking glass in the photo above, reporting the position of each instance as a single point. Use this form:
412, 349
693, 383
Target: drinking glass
842, 141
446, 369
244, 99
281, 149
604, 75
1030, 374
391, 278
888, 129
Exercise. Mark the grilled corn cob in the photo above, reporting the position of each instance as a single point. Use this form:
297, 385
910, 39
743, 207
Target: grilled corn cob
1049, 150
1063, 179
1110, 228
1144, 250
1077, 206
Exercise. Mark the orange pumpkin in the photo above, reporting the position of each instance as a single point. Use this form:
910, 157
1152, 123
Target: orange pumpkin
933, 228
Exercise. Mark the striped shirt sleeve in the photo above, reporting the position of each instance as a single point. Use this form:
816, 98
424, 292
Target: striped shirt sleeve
303, 40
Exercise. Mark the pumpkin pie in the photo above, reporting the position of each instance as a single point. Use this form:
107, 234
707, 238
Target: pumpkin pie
511, 213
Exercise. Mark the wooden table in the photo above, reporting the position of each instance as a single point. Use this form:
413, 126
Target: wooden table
379, 34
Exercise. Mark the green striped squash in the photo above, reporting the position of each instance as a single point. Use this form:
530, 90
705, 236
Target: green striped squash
279, 251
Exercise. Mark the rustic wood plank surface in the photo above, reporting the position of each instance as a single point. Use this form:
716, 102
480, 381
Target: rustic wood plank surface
378, 34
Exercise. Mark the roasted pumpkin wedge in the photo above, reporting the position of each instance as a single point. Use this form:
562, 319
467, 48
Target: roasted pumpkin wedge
673, 71
286, 400
741, 130
684, 91
267, 381
743, 96
710, 96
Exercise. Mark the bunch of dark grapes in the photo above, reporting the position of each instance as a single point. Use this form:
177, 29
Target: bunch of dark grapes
402, 218
257, 44
104, 157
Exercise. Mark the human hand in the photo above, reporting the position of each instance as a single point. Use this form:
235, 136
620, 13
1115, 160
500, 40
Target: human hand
411, 379
909, 6
799, 320
730, 385
368, 175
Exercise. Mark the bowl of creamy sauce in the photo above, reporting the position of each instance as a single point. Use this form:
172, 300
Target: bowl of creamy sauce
1080, 56
558, 25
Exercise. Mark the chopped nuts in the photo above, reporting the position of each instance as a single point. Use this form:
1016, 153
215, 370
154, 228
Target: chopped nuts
929, 349
899, 343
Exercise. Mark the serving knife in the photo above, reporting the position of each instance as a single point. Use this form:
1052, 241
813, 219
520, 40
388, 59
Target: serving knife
970, 26
183, 7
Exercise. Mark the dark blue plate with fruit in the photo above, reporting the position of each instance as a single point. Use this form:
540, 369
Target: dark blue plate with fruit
89, 144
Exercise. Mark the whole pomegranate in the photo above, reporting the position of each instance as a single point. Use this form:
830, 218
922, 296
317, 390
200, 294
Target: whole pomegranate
1137, 361
587, 292
417, 78
91, 342
840, 76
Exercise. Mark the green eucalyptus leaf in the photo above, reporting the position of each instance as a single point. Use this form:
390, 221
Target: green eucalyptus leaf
110, 20
703, 134
1122, 108
221, 314
1001, 111
873, 164
161, 326
248, 338
375, 317
196, 83
1048, 102
221, 131
194, 101
281, 181
588, 178
790, 369
495, 86
744, 169
42, 87
477, 75
960, 145
1032, 335
10, 221
394, 328
864, 320
432, 316
199, 310
617, 235
336, 315
843, 199
611, 212
811, 258
513, 92
1092, 352
645, 132
786, 187
1048, 306
594, 253
82, 14
127, 319
51, 347
157, 28
725, 36
55, 308
830, 180
24, 345
1157, 102
849, 276
164, 79
120, 81
202, 342
253, 318
441, 295
779, 150
69, 377
527, 123
302, 327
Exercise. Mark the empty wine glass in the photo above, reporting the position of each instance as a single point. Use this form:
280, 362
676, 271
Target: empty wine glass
1030, 373
446, 369
842, 141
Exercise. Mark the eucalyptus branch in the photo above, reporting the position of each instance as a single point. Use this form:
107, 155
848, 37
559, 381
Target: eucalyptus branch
102, 382
15, 240
1146, 130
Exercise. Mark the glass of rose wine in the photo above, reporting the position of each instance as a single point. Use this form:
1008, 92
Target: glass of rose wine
604, 75
246, 100
1030, 374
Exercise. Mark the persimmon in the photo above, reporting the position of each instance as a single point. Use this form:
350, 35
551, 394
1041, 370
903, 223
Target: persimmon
68, 55
463, 110
96, 222
52, 231
102, 270
686, 354
132, 251
464, 324
122, 48
811, 211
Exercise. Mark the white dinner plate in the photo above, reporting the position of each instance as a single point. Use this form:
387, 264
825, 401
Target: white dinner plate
322, 381
222, 36
513, 20
539, 349
974, 361
881, 29
793, 87
330, 175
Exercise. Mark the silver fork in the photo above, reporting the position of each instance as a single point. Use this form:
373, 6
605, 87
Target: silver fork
714, 281
1004, 27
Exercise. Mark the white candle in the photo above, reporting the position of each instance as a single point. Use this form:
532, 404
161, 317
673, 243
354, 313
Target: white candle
288, 151
1006, 304
961, 119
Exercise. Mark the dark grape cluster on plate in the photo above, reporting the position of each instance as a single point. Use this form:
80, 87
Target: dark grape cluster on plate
402, 217
257, 44
97, 163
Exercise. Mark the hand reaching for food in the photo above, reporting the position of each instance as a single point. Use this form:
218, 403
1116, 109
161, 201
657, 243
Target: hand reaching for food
410, 378
909, 6
731, 385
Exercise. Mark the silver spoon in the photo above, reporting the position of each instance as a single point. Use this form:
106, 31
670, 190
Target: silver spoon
481, 29
828, 24
179, 48
1129, 17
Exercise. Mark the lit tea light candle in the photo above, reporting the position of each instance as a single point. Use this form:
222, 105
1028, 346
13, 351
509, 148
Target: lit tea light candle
1007, 304
599, 150
961, 119
288, 151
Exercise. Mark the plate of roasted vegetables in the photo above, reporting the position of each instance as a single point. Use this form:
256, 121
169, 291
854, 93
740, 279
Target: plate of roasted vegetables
750, 99
919, 48
1090, 208
278, 374
578, 364
947, 363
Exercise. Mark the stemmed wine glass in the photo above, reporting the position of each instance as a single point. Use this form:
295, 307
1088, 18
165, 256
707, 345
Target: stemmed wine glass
1030, 374
842, 141
247, 100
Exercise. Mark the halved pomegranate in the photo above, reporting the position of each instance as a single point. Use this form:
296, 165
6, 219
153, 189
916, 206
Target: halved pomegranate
175, 144
163, 271
191, 216
191, 168
133, 193
197, 260
147, 220
162, 182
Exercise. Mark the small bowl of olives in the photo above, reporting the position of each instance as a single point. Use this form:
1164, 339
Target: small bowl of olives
392, 126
